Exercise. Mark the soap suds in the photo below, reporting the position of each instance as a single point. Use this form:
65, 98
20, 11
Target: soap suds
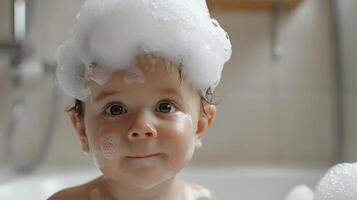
113, 33
301, 192
339, 183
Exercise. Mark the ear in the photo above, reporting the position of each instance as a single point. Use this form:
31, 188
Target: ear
203, 123
78, 124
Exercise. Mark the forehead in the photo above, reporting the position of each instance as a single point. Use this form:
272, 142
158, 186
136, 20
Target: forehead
149, 73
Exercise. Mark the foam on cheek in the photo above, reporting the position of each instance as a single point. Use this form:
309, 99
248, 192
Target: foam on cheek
96, 155
109, 146
185, 124
183, 121
96, 150
191, 149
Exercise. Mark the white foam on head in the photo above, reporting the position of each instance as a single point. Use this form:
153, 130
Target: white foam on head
113, 32
339, 183
97, 73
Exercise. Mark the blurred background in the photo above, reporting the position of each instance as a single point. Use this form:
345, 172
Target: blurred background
288, 95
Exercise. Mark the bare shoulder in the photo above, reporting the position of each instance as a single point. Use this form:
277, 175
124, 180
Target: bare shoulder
197, 191
80, 192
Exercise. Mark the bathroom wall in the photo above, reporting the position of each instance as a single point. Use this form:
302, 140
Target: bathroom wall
5, 37
5, 21
272, 112
5, 97
348, 31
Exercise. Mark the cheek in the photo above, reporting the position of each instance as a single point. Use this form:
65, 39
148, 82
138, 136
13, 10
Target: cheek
182, 124
109, 146
104, 134
180, 137
106, 145
182, 129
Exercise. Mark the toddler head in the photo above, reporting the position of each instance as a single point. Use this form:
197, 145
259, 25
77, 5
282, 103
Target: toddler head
141, 73
142, 126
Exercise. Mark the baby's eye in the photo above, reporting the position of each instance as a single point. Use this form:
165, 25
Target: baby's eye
115, 109
165, 107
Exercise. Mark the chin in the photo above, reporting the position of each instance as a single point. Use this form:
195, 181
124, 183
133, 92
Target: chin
148, 181
141, 175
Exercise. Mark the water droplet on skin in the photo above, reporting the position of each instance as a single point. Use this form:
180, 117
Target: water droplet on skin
168, 66
134, 75
95, 194
152, 69
152, 61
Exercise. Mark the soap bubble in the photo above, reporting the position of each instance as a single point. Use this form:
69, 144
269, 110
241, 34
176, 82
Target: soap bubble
339, 183
301, 192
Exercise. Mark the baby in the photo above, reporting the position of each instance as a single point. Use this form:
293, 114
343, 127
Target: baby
142, 73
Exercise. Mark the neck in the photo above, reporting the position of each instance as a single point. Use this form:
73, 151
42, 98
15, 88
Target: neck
165, 190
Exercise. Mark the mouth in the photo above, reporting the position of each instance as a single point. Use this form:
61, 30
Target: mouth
144, 156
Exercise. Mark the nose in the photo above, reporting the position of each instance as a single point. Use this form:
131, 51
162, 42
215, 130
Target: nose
142, 128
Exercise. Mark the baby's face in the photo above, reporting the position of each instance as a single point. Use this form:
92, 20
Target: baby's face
142, 128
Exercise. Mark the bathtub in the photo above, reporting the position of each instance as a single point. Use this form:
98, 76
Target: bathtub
227, 183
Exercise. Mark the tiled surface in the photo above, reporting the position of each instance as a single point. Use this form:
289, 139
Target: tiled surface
5, 101
278, 111
304, 88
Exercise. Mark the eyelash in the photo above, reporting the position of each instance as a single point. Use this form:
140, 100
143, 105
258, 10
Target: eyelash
107, 108
125, 110
171, 102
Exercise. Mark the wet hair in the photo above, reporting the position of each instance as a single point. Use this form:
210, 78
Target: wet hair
207, 99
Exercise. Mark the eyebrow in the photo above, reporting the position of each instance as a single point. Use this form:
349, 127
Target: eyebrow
172, 91
105, 94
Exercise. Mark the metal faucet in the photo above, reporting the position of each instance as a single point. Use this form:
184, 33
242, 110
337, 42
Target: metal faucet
15, 49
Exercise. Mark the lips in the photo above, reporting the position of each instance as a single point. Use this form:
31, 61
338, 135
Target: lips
144, 156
